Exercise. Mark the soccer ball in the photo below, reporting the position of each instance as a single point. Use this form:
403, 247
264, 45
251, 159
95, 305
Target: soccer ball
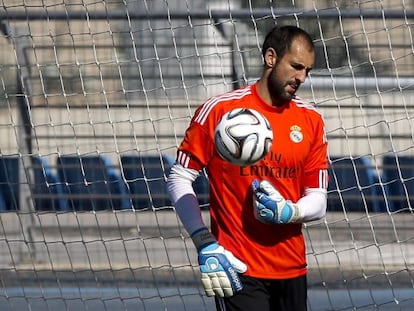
243, 136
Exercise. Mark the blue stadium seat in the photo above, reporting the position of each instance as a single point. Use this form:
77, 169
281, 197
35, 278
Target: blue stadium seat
354, 186
3, 206
47, 189
145, 176
9, 182
91, 183
398, 174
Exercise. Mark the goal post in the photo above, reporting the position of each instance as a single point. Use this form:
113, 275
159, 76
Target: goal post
95, 97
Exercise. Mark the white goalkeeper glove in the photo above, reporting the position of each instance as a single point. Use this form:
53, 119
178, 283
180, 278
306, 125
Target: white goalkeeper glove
219, 268
271, 207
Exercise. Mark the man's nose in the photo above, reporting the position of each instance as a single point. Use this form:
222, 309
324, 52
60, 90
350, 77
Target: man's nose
301, 76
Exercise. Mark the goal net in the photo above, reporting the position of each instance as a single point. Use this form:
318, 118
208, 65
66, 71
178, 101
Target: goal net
95, 97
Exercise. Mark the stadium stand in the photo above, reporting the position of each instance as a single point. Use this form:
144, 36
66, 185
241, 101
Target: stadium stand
9, 182
354, 186
47, 190
146, 179
398, 175
91, 183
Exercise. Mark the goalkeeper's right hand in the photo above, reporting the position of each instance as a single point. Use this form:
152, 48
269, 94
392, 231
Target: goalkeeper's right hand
219, 268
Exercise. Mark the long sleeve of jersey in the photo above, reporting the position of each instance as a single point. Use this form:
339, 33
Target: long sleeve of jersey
183, 197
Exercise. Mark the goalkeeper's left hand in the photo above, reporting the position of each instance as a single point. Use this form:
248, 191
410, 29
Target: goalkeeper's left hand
219, 271
270, 206
219, 267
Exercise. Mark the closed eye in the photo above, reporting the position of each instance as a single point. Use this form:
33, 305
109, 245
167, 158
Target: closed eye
300, 67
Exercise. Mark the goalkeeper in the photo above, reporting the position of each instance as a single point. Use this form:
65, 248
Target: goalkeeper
254, 257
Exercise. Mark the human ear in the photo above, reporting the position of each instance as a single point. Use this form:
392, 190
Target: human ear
270, 57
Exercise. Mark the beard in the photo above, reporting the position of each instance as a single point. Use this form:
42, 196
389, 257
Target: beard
277, 89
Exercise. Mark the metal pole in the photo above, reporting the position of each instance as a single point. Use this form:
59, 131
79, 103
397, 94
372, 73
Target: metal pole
25, 208
330, 13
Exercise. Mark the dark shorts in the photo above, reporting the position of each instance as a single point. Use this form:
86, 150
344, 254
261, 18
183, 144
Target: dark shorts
267, 295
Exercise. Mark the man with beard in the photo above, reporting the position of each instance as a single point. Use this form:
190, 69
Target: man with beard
254, 257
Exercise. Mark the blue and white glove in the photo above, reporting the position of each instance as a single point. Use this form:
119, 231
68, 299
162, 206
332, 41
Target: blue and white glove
271, 207
219, 268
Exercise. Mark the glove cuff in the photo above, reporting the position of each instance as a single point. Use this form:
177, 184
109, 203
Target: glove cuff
202, 237
296, 216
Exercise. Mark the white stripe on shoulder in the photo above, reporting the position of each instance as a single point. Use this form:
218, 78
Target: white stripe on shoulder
209, 104
323, 179
303, 104
183, 158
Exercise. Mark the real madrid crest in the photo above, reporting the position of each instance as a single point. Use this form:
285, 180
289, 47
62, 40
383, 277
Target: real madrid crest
296, 134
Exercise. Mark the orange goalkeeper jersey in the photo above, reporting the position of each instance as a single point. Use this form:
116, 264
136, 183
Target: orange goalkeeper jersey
297, 160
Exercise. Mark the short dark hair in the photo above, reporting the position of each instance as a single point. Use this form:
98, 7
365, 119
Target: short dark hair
280, 38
